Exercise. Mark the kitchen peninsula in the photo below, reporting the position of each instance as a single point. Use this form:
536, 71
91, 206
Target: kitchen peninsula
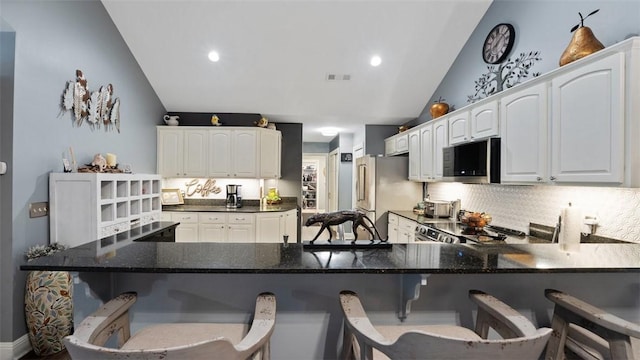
206, 281
145, 254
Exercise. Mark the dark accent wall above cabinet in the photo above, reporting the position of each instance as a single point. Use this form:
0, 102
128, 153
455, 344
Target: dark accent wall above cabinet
226, 119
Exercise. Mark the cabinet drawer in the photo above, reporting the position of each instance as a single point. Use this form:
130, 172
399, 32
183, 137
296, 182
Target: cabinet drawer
393, 219
212, 218
186, 218
240, 218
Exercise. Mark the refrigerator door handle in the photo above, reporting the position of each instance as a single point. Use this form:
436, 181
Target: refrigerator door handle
361, 182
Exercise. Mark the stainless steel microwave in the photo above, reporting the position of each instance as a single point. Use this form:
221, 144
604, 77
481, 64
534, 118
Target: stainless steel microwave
476, 162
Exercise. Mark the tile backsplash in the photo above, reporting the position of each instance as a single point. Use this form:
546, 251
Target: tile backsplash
617, 209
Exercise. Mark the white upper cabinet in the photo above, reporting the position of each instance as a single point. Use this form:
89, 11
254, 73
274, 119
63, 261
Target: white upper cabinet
484, 120
523, 117
414, 155
182, 152
196, 152
433, 137
270, 154
232, 152
170, 144
459, 128
440, 141
426, 152
587, 135
244, 153
396, 144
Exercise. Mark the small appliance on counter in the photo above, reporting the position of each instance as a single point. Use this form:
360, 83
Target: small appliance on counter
234, 199
441, 208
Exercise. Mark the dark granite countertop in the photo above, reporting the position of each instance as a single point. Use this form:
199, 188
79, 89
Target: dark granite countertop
216, 205
151, 254
222, 208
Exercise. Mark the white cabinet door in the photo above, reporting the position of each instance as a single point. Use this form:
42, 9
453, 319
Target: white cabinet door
426, 152
587, 137
392, 232
241, 227
406, 230
196, 151
402, 143
268, 227
212, 227
271, 227
484, 120
523, 131
212, 233
170, 145
220, 156
440, 141
390, 146
415, 155
187, 230
291, 225
244, 153
270, 154
459, 127
241, 233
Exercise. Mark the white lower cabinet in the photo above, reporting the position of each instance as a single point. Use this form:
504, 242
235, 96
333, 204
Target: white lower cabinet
234, 226
187, 231
272, 227
241, 227
406, 230
392, 229
212, 227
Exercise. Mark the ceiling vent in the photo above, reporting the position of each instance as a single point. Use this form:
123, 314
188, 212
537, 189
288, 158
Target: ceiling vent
338, 77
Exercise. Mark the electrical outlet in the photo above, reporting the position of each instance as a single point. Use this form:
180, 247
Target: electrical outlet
38, 209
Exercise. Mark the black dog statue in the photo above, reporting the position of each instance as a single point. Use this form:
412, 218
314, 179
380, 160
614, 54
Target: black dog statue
338, 217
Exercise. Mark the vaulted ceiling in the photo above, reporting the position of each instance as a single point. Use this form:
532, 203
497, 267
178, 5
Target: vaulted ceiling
277, 57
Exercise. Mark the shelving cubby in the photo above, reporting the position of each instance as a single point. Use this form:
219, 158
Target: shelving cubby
88, 206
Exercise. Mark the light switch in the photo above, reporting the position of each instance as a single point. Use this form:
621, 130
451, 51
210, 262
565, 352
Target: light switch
38, 209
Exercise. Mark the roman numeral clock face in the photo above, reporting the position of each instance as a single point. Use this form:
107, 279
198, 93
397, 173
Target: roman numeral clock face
498, 43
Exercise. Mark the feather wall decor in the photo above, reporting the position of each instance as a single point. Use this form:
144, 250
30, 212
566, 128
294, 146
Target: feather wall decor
98, 108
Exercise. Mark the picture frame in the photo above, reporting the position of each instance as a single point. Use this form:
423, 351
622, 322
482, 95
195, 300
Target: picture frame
172, 197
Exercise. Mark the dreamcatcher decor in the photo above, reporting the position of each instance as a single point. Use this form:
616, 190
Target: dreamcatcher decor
98, 108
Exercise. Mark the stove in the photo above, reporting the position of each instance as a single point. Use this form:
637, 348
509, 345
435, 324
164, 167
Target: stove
431, 233
452, 232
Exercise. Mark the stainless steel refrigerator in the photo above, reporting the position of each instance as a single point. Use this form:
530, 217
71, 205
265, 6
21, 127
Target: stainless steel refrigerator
382, 185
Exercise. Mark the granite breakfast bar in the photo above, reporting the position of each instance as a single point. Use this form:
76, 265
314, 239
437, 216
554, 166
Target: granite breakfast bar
201, 281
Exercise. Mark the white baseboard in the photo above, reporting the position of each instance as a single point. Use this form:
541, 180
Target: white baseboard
15, 350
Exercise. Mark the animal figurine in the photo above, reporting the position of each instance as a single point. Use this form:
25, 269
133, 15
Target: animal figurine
338, 217
99, 161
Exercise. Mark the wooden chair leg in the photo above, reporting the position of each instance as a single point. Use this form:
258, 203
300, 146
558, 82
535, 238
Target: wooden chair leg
555, 346
620, 346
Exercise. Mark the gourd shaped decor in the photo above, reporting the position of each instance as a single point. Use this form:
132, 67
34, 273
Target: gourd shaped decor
582, 43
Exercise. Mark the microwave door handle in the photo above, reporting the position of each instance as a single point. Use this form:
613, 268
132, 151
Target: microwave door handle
361, 182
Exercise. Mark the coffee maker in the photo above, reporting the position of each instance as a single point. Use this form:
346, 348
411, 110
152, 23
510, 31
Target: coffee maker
234, 200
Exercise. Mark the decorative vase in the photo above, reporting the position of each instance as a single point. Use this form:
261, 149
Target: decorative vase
438, 109
582, 44
48, 310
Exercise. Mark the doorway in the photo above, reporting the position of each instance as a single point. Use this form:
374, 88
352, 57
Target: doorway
332, 180
314, 183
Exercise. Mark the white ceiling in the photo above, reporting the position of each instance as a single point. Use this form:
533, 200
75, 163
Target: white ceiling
275, 56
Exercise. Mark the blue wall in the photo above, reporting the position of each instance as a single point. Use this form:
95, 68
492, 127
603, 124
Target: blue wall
540, 26
52, 40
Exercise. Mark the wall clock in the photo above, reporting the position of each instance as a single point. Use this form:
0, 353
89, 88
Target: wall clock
498, 43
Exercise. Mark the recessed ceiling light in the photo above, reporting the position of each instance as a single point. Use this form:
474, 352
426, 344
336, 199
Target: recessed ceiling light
329, 131
214, 56
375, 60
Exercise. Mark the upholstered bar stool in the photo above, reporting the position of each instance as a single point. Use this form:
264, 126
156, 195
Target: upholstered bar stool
172, 341
521, 340
589, 332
